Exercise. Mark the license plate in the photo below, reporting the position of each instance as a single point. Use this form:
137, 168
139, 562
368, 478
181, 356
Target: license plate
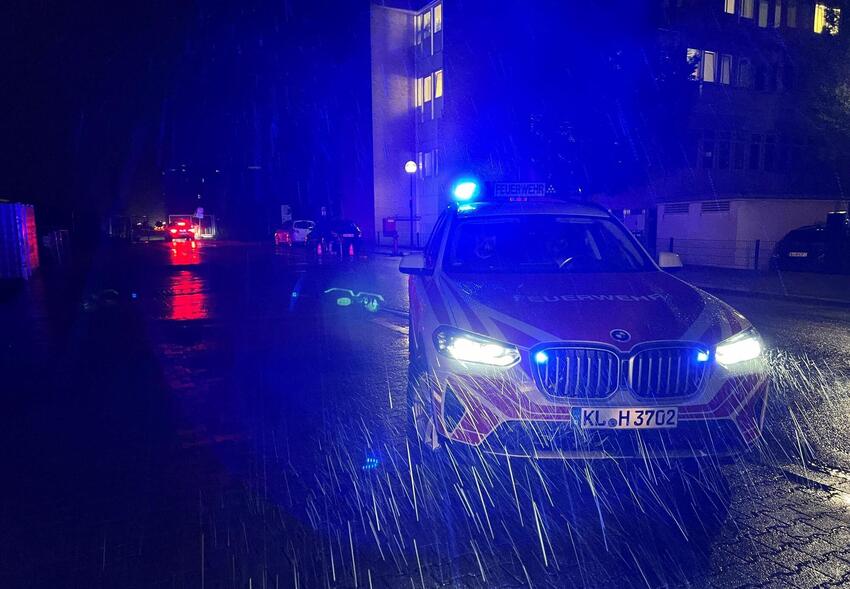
798, 254
628, 418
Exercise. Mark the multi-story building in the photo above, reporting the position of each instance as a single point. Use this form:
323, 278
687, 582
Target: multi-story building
508, 92
753, 171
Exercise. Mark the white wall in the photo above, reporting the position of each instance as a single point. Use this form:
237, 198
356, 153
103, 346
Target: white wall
727, 238
393, 139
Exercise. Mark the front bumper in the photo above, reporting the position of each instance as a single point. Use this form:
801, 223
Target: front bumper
501, 416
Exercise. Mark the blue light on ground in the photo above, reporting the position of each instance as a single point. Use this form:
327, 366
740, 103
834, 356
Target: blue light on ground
371, 463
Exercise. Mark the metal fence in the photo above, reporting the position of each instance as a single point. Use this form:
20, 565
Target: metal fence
744, 255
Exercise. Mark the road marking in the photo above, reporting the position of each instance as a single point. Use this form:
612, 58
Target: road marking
390, 326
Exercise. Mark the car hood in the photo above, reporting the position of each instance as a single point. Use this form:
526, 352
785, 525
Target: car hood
527, 309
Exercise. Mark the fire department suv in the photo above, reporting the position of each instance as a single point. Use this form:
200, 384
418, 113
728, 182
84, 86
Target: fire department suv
545, 329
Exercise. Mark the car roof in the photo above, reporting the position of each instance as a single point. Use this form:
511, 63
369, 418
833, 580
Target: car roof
546, 207
807, 229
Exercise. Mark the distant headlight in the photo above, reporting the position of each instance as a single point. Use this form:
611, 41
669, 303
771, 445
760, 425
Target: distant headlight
739, 348
469, 347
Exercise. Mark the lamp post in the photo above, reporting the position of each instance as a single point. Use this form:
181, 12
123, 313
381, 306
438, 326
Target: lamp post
410, 167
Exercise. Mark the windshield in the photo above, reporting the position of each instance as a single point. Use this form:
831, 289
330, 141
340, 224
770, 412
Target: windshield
542, 243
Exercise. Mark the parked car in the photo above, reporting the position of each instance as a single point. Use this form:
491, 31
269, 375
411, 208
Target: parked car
337, 235
816, 248
142, 231
293, 232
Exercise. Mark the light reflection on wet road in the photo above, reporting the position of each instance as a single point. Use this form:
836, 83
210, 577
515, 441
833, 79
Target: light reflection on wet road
218, 423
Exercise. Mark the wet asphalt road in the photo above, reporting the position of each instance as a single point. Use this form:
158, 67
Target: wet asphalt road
213, 418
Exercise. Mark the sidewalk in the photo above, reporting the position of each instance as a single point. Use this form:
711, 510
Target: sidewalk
799, 286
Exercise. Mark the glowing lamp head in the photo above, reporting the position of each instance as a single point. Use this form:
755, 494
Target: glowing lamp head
541, 357
410, 167
465, 190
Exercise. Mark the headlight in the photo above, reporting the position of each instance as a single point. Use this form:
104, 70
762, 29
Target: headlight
468, 347
739, 348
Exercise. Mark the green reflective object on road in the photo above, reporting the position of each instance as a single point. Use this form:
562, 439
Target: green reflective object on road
343, 301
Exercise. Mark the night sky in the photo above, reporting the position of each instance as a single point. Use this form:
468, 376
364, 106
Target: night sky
99, 99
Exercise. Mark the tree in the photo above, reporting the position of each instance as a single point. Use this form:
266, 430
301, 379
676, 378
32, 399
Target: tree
821, 63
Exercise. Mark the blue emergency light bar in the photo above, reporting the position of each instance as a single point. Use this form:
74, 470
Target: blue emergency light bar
465, 190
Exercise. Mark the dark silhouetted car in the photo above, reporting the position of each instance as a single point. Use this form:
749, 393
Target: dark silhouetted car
816, 248
803, 249
335, 235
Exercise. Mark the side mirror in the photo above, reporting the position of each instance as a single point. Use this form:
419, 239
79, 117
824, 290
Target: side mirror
669, 261
414, 264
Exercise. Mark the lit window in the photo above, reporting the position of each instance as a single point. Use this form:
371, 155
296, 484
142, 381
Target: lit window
438, 18
428, 88
417, 29
419, 82
747, 8
429, 163
708, 64
438, 84
777, 13
763, 9
426, 23
730, 7
693, 60
791, 18
725, 69
826, 19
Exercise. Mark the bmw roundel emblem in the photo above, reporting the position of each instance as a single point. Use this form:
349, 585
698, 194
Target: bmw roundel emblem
620, 335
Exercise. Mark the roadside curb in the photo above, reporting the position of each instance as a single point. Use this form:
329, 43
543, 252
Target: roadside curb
401, 253
774, 296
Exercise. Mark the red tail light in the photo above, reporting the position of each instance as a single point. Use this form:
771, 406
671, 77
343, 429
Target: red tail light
181, 224
173, 230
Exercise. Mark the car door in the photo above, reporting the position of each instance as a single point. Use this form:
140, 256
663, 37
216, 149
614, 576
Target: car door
417, 285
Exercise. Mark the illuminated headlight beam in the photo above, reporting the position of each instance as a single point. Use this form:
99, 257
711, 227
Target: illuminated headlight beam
739, 348
470, 347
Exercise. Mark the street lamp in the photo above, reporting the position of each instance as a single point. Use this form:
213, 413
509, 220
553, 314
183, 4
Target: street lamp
410, 167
